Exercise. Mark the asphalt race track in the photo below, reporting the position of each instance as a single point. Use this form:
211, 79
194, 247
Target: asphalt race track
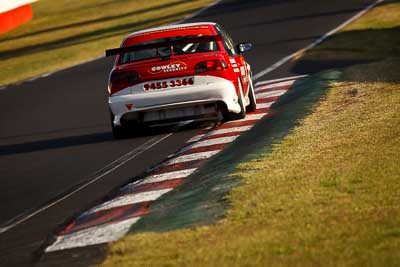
55, 135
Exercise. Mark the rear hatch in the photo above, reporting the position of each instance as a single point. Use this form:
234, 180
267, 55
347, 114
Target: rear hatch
174, 67
157, 62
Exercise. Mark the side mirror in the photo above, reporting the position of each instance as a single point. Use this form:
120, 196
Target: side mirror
244, 47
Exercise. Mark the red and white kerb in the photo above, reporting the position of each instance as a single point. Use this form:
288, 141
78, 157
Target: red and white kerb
111, 220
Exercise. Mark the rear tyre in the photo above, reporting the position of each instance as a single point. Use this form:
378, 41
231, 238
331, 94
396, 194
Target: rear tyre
242, 114
252, 97
119, 132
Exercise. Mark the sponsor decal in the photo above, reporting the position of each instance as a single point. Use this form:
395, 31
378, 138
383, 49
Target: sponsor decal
171, 67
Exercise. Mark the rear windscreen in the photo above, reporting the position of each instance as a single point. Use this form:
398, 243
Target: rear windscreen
167, 50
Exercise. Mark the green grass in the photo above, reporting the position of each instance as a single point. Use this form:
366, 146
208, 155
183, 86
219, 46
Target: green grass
374, 37
67, 32
327, 193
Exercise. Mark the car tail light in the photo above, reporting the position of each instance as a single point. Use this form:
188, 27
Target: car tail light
210, 65
122, 80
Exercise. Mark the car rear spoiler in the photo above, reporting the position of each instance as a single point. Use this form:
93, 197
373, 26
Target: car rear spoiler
174, 41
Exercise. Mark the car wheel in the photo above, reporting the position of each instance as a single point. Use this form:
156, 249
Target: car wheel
118, 132
252, 97
242, 114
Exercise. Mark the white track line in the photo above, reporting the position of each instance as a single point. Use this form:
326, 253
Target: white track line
270, 94
319, 40
191, 157
270, 86
115, 165
128, 199
92, 236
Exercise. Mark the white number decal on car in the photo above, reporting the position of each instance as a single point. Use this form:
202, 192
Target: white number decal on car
168, 84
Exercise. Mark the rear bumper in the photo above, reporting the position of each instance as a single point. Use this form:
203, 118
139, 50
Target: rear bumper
176, 103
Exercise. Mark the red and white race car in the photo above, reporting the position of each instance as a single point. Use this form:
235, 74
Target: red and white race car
179, 72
